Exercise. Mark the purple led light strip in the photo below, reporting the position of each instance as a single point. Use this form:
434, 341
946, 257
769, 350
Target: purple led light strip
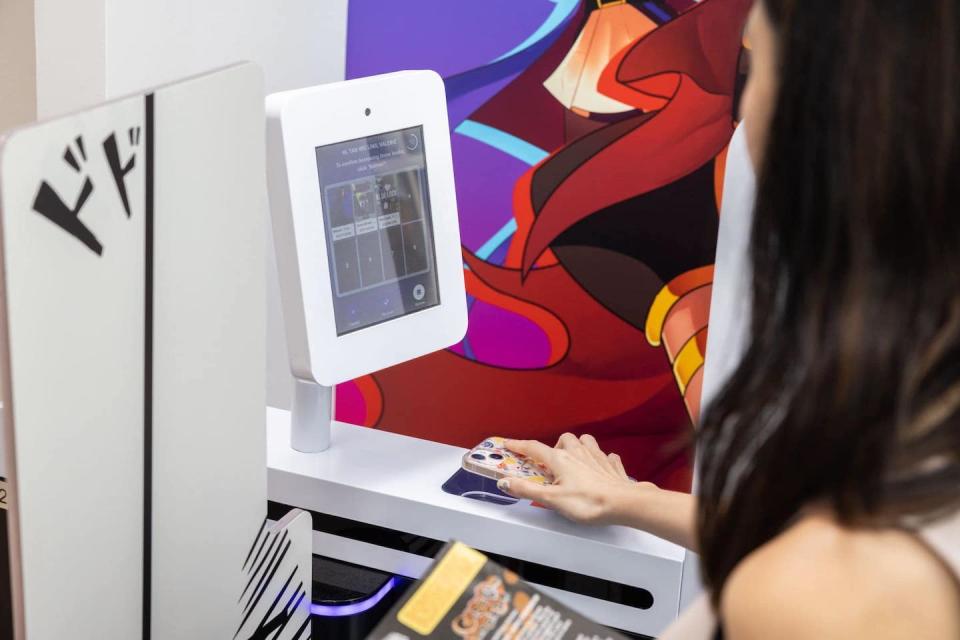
352, 609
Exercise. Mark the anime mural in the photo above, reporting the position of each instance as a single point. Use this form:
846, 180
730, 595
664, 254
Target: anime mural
589, 140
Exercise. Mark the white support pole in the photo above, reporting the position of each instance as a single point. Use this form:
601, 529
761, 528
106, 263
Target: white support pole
313, 406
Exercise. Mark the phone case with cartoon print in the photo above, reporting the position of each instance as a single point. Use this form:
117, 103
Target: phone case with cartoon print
492, 459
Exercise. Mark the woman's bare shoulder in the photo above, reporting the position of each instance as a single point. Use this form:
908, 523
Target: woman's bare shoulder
821, 579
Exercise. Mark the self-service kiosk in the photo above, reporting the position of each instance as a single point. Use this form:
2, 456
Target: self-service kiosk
368, 248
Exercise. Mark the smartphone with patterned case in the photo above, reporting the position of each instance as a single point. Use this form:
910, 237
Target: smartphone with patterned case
492, 459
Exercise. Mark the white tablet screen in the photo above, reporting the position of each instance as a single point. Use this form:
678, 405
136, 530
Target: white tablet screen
376, 212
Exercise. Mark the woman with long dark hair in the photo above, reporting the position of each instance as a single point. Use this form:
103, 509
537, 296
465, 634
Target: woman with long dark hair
829, 486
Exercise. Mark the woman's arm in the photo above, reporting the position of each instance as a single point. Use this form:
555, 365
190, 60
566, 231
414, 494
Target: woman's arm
593, 487
671, 515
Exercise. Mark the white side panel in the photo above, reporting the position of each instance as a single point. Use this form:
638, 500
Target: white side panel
209, 481
135, 373
75, 330
730, 301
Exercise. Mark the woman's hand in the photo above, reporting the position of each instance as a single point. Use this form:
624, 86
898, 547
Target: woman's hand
589, 485
593, 487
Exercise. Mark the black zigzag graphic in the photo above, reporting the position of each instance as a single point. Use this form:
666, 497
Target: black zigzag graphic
50, 205
120, 171
261, 565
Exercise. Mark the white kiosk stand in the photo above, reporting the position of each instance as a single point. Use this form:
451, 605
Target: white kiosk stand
368, 248
368, 245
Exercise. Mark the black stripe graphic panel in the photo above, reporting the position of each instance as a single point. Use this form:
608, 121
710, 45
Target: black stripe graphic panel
264, 629
263, 525
303, 629
272, 567
259, 564
253, 605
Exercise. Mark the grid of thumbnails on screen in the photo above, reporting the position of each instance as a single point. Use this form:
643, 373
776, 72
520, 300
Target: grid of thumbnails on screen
379, 228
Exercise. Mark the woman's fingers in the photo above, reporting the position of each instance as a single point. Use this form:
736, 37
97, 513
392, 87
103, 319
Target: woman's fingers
598, 457
569, 453
532, 449
527, 490
572, 445
602, 461
569, 442
618, 465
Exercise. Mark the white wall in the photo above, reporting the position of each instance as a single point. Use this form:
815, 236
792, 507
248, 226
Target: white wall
297, 42
90, 50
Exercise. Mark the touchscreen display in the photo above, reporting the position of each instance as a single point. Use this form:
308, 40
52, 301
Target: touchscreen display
376, 211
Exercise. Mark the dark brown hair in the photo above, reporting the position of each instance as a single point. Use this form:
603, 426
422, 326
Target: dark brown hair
849, 392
